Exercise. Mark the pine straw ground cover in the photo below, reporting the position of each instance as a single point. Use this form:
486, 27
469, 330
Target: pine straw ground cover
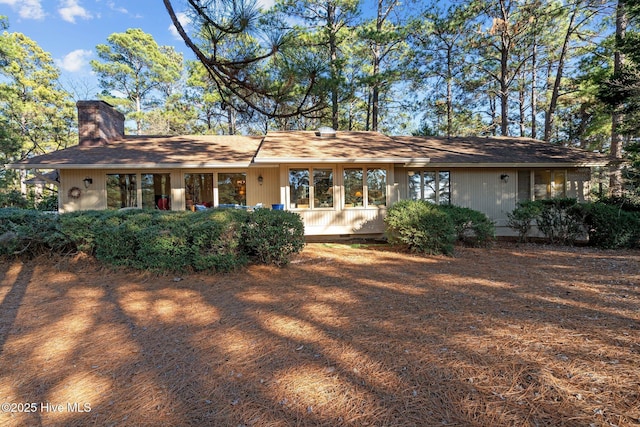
528, 335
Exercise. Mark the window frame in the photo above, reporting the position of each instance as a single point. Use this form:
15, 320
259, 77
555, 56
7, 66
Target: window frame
552, 189
365, 196
137, 202
241, 187
206, 203
311, 188
437, 190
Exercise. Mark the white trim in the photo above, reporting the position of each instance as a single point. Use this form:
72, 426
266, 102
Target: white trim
385, 160
436, 164
128, 166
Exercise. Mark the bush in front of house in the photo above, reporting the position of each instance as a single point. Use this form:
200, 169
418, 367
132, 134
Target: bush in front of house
217, 239
607, 224
522, 217
172, 241
81, 228
561, 220
30, 233
421, 227
472, 227
611, 227
271, 237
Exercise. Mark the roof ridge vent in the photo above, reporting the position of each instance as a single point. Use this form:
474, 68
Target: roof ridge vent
326, 132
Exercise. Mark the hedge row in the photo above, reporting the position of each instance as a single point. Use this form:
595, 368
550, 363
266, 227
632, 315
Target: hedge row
217, 239
606, 224
428, 228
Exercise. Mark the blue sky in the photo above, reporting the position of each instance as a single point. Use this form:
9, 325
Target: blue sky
70, 29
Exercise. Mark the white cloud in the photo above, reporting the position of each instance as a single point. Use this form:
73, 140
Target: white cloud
184, 20
27, 9
74, 61
112, 5
71, 10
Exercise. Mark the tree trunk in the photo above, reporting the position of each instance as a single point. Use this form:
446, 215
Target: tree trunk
504, 88
615, 174
333, 53
449, 91
555, 93
534, 91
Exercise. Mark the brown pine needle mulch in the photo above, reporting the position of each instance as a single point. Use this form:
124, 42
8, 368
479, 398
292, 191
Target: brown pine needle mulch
353, 336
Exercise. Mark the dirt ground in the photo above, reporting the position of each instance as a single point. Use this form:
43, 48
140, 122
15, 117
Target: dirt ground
345, 335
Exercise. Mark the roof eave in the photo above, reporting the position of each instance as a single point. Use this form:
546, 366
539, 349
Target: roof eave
520, 165
127, 165
307, 160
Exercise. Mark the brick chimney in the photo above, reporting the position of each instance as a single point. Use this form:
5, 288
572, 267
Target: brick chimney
98, 123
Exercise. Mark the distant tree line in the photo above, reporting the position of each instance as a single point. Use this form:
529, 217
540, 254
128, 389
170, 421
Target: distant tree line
565, 71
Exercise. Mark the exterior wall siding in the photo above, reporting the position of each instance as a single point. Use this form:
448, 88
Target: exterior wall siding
478, 188
482, 189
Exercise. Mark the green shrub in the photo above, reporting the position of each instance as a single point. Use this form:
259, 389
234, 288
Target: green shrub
560, 220
81, 228
622, 203
215, 237
13, 199
30, 233
271, 237
472, 227
420, 226
522, 217
611, 227
48, 203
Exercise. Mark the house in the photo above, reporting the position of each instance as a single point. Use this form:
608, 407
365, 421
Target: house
341, 183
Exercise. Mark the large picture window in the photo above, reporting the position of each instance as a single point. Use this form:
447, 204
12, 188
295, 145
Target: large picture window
322, 188
232, 189
122, 191
547, 184
198, 190
357, 194
156, 191
299, 188
305, 193
432, 186
353, 188
377, 187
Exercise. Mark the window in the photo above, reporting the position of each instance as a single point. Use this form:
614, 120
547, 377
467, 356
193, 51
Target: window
306, 194
444, 188
232, 189
353, 188
122, 191
524, 185
547, 184
156, 191
299, 188
198, 190
322, 188
377, 187
356, 194
432, 186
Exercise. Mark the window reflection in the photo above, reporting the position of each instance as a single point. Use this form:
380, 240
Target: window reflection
198, 190
156, 191
232, 189
122, 191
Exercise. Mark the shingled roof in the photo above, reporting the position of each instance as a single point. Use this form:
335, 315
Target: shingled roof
202, 151
219, 151
498, 151
338, 147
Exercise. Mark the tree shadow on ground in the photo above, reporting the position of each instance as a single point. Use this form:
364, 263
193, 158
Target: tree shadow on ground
343, 336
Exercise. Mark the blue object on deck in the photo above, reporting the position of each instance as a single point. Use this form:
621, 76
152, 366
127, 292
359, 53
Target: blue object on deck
277, 207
